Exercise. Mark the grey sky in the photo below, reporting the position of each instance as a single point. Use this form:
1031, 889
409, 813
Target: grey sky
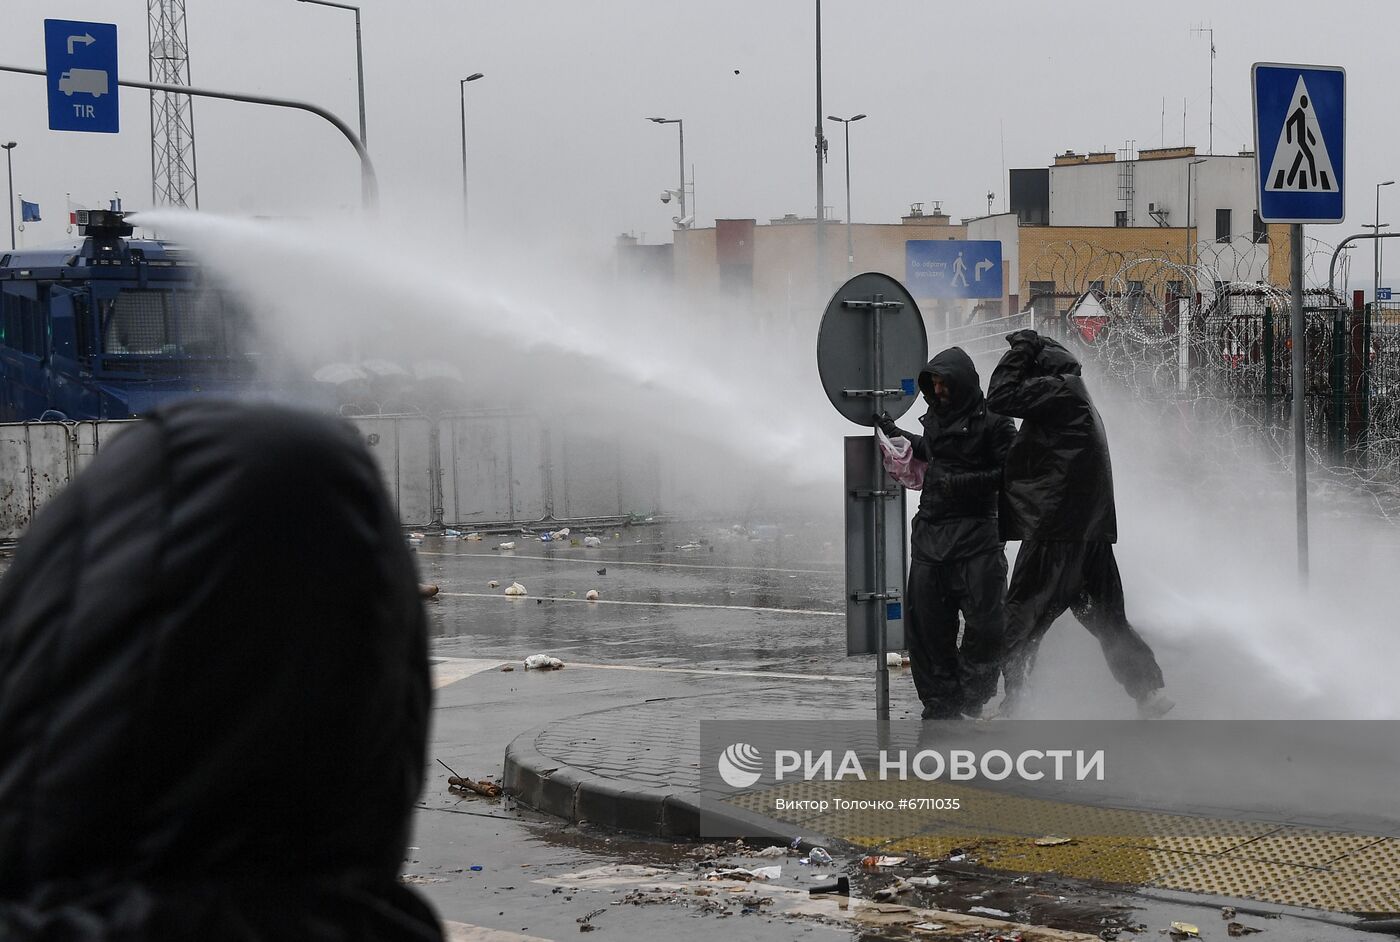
559, 153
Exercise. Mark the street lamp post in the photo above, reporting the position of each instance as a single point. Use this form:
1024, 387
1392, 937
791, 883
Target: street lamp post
1376, 295
462, 87
850, 247
359, 55
680, 194
10, 175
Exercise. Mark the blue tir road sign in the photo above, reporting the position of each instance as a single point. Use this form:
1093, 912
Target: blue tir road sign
1300, 142
952, 268
81, 61
1383, 294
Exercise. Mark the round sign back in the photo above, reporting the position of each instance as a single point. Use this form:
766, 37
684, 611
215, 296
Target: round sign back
870, 348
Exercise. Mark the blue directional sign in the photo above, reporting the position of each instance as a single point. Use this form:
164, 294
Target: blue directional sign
1300, 142
952, 268
81, 61
1382, 294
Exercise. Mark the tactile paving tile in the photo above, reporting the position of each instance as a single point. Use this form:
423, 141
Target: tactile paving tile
1129, 865
1338, 892
1225, 876
1302, 846
1382, 857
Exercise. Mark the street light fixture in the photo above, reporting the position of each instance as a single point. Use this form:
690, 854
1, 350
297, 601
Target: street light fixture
10, 175
359, 55
850, 247
462, 87
681, 220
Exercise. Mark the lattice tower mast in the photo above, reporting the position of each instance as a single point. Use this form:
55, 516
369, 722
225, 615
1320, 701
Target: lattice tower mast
173, 181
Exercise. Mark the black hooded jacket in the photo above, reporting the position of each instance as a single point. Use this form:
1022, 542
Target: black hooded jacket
1059, 481
965, 446
214, 691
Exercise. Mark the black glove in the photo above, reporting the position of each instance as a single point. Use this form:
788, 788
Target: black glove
938, 480
1027, 337
884, 423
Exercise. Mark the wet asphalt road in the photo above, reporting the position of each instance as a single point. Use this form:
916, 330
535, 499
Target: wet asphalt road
673, 595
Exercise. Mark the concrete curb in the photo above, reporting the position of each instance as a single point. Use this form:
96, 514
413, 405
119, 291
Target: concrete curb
547, 785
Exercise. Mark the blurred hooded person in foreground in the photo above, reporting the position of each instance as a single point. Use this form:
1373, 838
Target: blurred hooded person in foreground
958, 560
214, 691
1057, 499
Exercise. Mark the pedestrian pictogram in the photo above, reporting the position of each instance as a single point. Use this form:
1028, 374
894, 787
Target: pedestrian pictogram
953, 268
1300, 142
1300, 160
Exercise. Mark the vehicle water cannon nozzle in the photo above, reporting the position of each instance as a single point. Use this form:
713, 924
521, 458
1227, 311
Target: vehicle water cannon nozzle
103, 222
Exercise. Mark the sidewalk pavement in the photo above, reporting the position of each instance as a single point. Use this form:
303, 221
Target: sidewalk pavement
636, 768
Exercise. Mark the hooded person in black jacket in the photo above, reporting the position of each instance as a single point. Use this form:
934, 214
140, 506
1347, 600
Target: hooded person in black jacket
210, 729
958, 560
1057, 499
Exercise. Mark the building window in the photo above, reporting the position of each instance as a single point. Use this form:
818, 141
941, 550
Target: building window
1175, 288
1096, 287
1261, 231
1120, 219
1222, 225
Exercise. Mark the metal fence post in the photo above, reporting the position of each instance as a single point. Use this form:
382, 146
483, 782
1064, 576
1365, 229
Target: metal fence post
1268, 368
1338, 383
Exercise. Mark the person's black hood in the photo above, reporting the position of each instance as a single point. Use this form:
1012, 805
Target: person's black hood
1055, 360
214, 691
959, 374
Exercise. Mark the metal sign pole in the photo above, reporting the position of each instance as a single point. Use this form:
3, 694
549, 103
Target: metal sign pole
880, 588
1298, 330
867, 361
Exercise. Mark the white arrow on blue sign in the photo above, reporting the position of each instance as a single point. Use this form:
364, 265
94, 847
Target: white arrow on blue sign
81, 61
1300, 142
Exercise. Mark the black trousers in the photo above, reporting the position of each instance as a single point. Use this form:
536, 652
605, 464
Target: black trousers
951, 680
1053, 575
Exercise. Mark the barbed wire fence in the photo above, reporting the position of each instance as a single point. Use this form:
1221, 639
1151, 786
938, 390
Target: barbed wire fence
1204, 342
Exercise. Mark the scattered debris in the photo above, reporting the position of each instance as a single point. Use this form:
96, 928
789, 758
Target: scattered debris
1237, 929
586, 921
924, 881
507, 546
427, 590
742, 873
542, 662
489, 789
819, 857
774, 851
1053, 841
591, 595
507, 669
988, 911
889, 893
1184, 930
873, 861
560, 534
895, 659
603, 571
842, 887
929, 927
494, 583
591, 541
707, 852
475, 867
515, 588
474, 537
1227, 912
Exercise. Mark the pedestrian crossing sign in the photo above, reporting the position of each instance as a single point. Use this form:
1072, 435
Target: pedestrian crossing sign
1300, 142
